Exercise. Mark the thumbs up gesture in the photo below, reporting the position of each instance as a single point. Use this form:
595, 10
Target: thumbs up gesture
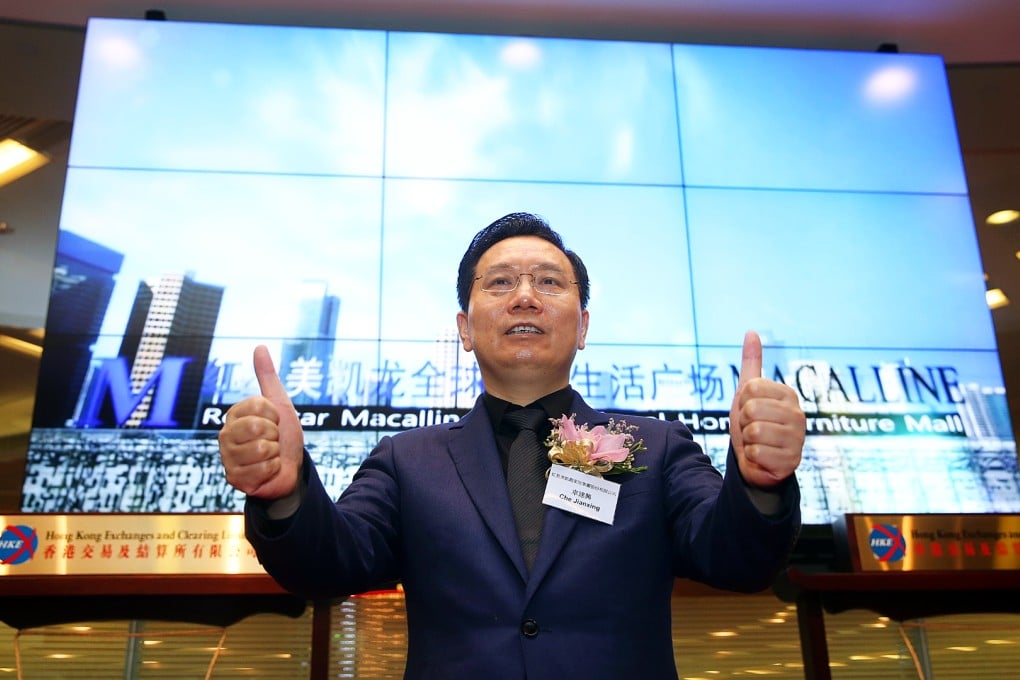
261, 442
767, 424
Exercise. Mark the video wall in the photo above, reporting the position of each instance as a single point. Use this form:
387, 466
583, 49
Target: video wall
314, 189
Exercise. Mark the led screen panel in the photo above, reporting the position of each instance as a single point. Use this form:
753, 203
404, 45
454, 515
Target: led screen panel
314, 189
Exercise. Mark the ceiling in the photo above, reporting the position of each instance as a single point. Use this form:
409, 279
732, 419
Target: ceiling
977, 39
964, 31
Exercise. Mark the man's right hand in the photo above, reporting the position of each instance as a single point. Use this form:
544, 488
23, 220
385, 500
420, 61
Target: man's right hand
261, 443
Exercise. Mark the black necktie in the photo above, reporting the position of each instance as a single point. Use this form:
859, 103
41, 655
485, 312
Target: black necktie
526, 465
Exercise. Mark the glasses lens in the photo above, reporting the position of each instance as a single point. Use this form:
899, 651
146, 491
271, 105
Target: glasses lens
499, 282
548, 282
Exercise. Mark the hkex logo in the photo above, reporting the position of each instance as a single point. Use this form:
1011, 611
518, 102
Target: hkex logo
18, 544
887, 543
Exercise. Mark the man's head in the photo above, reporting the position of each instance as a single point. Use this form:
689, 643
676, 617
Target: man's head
523, 297
514, 224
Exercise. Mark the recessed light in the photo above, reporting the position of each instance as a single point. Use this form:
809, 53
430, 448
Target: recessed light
1003, 217
17, 160
996, 298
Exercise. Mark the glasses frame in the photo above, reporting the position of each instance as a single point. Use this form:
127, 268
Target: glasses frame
517, 284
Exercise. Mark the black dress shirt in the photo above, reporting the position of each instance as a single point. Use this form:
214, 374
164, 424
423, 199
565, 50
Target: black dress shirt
555, 405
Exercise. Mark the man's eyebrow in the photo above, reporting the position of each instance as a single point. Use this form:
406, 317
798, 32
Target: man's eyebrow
512, 267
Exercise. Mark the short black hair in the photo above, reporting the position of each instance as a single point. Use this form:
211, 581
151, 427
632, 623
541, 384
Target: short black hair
508, 226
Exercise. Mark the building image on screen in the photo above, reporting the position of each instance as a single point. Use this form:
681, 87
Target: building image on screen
314, 189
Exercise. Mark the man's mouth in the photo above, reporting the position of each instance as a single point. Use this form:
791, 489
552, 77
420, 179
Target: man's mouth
524, 329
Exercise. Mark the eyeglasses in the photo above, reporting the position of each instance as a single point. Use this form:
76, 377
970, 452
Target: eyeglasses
546, 282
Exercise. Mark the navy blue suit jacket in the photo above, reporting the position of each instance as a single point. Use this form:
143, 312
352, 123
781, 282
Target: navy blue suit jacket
430, 508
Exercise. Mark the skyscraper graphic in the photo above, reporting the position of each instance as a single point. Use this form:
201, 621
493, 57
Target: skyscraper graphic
307, 357
985, 412
453, 378
84, 274
172, 316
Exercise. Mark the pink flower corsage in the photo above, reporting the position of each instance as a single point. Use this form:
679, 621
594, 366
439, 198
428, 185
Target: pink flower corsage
600, 451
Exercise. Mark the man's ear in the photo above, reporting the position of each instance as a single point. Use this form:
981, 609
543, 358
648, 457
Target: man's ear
583, 331
463, 331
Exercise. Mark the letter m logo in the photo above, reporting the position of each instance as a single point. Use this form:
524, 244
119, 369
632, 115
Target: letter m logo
113, 378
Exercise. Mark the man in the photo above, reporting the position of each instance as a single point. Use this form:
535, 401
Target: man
432, 507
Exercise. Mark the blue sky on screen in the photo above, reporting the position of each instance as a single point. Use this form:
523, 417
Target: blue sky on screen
284, 130
816, 120
258, 236
516, 108
843, 270
429, 224
226, 97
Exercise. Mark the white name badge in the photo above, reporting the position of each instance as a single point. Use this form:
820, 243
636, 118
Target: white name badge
582, 494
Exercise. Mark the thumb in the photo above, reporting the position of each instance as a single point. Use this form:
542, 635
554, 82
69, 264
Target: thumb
269, 382
750, 358
281, 475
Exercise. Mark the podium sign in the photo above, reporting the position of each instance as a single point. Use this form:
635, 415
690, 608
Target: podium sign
44, 544
934, 542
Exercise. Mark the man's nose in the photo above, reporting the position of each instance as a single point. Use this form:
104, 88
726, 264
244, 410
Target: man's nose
525, 295
530, 281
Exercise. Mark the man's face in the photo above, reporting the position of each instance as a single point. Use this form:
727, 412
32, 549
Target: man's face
524, 335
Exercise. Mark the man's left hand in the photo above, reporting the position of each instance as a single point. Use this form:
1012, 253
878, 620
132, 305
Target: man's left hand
766, 422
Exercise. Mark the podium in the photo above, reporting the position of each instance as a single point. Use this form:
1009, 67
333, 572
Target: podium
183, 569
903, 567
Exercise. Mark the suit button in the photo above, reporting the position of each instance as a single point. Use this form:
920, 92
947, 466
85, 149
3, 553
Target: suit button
530, 628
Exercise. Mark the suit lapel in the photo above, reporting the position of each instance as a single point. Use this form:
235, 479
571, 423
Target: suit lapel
473, 450
474, 453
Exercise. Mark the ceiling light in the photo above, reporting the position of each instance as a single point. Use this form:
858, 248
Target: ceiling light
17, 160
1003, 217
8, 342
27, 143
996, 298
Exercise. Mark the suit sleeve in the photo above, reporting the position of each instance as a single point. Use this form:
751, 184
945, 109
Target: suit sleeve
328, 549
720, 537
